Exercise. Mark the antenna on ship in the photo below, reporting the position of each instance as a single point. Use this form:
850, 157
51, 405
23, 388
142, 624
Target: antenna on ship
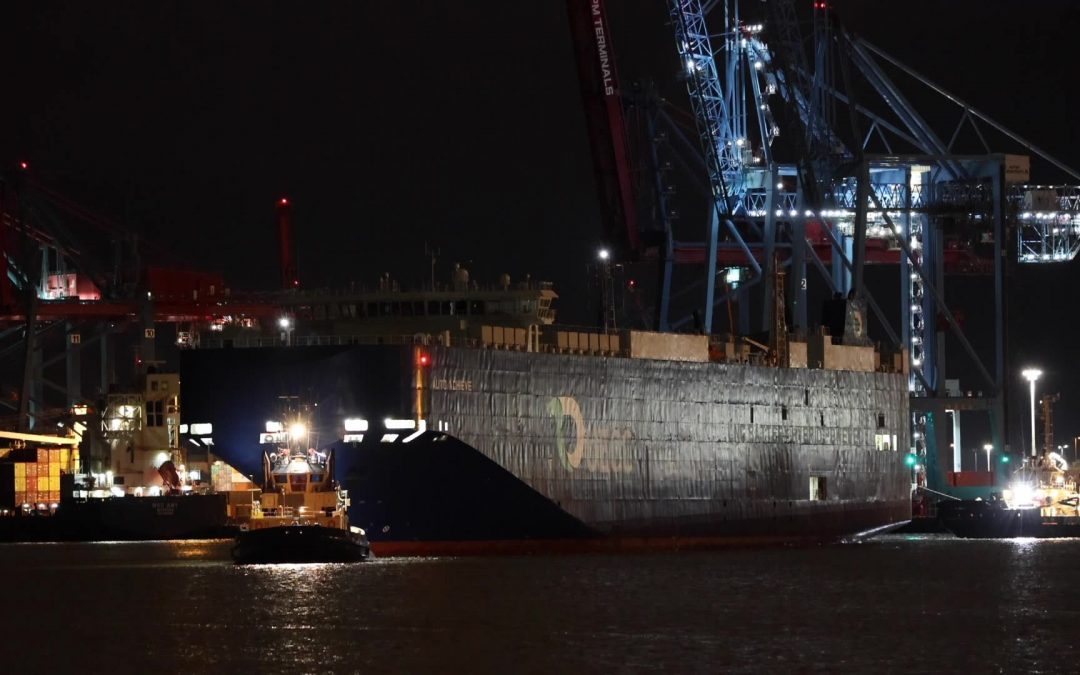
607, 290
290, 277
433, 253
1047, 404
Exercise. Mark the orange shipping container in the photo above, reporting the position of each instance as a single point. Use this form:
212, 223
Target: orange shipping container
31, 470
42, 455
54, 455
44, 484
54, 496
20, 468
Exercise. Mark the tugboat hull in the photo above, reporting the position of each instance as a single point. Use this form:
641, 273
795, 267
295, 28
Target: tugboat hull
987, 520
300, 544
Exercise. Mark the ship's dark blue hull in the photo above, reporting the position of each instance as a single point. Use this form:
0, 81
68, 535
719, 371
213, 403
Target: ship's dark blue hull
125, 519
437, 494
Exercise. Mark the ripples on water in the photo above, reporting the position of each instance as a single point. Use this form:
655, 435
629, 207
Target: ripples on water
912, 604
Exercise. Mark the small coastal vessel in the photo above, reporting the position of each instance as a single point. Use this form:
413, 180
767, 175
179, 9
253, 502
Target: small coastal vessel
300, 517
1041, 501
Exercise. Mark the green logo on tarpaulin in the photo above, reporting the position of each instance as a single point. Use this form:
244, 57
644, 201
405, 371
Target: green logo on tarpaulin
569, 430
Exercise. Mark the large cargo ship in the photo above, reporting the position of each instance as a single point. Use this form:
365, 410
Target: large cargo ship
496, 436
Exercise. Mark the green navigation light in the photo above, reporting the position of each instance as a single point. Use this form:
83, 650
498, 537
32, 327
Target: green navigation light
910, 459
1004, 459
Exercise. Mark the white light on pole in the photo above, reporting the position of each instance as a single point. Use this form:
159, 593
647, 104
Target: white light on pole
604, 254
988, 448
1032, 374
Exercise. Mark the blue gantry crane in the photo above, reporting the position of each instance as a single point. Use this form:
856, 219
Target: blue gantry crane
812, 155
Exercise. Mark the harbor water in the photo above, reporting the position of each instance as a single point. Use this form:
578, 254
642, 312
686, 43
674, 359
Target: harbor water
891, 604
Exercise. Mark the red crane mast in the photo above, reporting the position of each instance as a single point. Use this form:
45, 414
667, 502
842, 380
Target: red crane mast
604, 116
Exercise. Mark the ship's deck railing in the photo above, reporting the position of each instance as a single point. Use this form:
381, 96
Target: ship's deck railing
393, 288
311, 341
289, 512
550, 339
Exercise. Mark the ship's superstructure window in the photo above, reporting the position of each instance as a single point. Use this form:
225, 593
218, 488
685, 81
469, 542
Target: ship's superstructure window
806, 397
817, 488
751, 414
783, 413
155, 416
881, 420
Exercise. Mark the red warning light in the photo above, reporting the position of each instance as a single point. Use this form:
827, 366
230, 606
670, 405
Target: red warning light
283, 201
631, 283
23, 165
424, 359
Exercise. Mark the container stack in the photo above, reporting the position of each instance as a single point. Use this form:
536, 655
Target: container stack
38, 482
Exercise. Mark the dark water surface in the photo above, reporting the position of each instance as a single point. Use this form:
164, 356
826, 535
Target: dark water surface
894, 604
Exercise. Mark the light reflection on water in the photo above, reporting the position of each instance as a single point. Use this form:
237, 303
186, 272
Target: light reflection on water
919, 603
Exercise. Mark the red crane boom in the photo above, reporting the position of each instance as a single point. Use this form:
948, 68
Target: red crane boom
606, 125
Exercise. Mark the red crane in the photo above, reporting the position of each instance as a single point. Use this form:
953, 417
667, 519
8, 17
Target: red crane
606, 124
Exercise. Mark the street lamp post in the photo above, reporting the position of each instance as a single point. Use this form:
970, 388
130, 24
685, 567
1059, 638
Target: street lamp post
988, 448
1032, 374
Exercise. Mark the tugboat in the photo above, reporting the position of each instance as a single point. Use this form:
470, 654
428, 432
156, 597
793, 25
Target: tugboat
301, 516
1041, 501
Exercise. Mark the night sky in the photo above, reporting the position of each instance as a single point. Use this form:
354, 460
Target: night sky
394, 123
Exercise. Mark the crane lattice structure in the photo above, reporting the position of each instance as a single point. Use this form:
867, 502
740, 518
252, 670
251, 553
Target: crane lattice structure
74, 289
868, 180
